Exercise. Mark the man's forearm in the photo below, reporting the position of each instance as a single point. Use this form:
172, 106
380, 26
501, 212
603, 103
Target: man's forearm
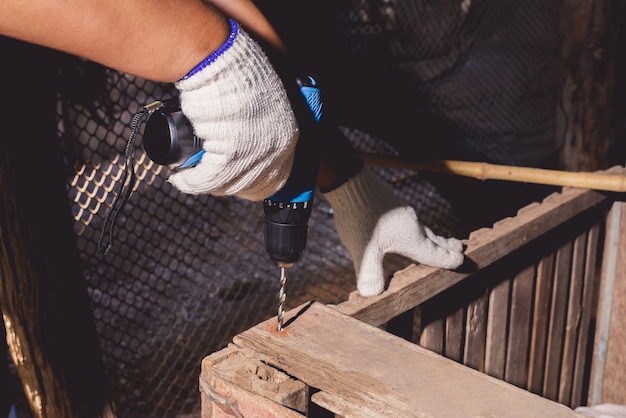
160, 40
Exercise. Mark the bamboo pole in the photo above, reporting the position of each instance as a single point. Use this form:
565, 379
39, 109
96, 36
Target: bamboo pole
486, 171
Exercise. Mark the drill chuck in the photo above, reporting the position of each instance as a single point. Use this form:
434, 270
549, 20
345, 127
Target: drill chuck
286, 230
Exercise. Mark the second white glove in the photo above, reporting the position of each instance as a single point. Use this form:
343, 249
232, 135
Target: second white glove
237, 104
371, 222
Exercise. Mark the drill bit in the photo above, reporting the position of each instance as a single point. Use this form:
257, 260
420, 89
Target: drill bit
281, 298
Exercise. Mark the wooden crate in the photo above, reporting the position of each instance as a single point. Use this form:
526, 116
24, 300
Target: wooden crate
509, 335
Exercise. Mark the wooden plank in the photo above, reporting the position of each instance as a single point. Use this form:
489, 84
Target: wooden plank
497, 321
572, 323
557, 321
614, 383
418, 283
388, 375
541, 316
431, 336
516, 369
476, 334
612, 259
454, 332
234, 385
432, 332
589, 288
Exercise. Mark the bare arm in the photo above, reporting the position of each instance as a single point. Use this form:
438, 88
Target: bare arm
160, 40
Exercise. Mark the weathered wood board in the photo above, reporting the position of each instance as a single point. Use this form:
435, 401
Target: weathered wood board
608, 380
372, 370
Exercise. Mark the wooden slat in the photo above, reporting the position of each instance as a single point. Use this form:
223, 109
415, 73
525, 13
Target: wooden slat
589, 288
432, 332
541, 317
431, 336
387, 375
572, 322
557, 321
497, 321
612, 265
476, 333
516, 371
416, 284
454, 335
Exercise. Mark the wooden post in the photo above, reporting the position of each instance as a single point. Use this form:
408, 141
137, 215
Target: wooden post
43, 295
584, 116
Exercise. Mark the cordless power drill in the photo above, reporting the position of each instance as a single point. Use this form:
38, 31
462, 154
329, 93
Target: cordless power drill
169, 139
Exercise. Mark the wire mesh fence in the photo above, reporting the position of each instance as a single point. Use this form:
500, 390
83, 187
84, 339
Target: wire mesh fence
187, 273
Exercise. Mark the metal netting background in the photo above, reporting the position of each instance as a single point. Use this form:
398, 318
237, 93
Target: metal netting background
187, 273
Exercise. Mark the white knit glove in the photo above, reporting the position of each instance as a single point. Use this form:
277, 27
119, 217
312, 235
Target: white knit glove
604, 410
237, 103
371, 221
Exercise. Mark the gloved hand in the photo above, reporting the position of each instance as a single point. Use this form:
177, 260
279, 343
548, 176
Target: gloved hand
237, 103
371, 221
